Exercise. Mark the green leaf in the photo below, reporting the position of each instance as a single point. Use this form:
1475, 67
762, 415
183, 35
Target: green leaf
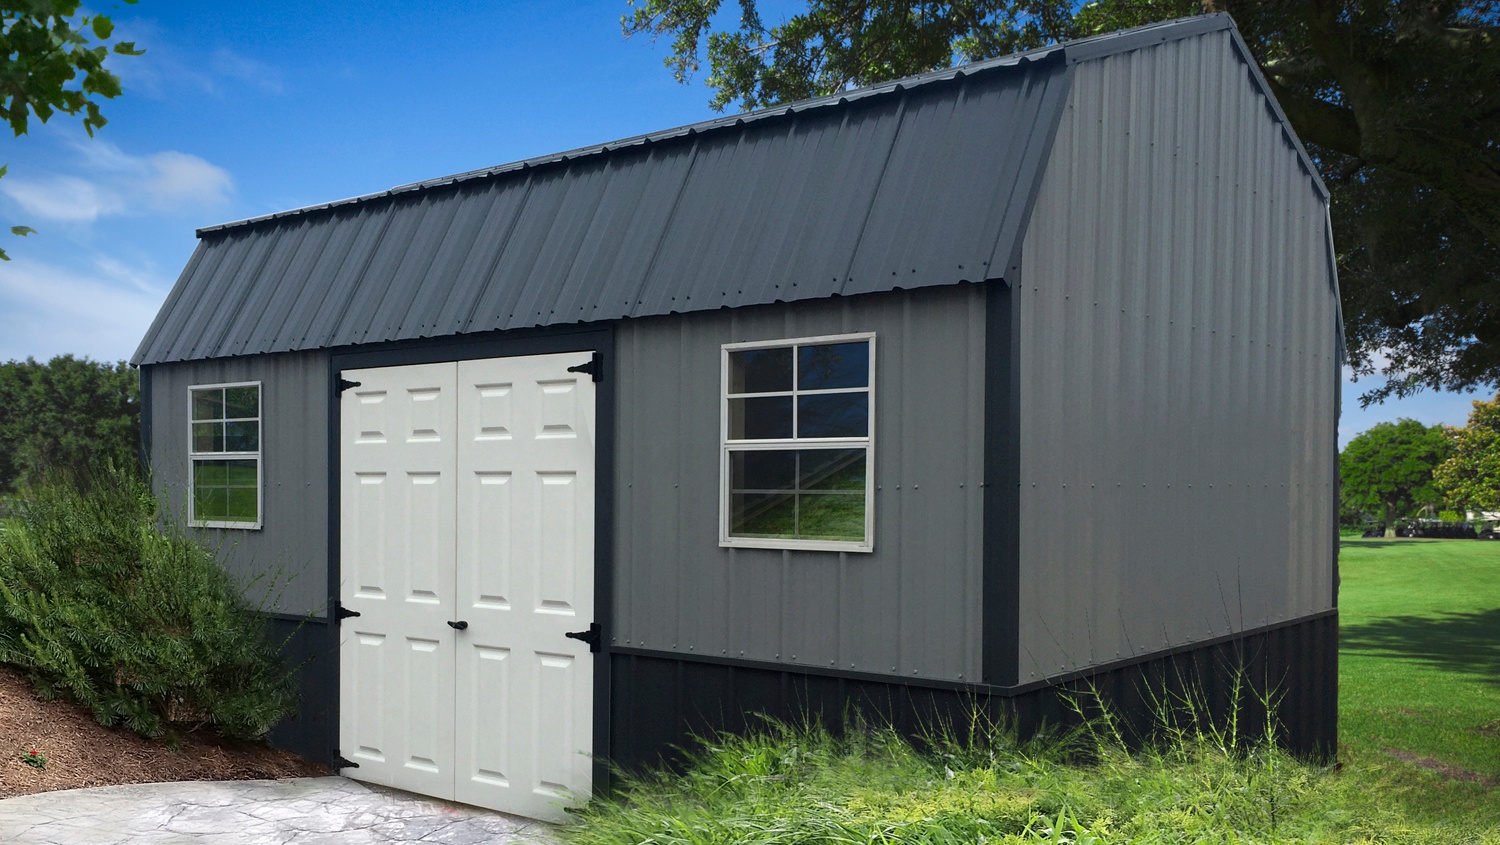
102, 26
128, 48
22, 231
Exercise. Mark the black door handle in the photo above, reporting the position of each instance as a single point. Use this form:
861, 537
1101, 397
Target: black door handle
591, 636
459, 625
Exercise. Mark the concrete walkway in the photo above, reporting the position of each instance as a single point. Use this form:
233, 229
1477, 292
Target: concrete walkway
303, 811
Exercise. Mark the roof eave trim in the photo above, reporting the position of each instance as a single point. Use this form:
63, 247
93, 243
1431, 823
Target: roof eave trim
1103, 46
1286, 124
1150, 36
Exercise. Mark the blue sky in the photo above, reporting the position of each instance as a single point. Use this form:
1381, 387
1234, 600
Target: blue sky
253, 108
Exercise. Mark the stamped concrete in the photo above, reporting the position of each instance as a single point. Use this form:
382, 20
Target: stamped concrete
302, 811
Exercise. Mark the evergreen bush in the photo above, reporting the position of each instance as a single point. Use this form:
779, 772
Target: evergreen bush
102, 604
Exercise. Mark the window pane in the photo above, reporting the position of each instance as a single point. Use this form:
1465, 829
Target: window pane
760, 418
831, 469
208, 474
833, 365
241, 504
774, 470
833, 415
831, 516
240, 474
763, 515
208, 437
242, 436
210, 503
208, 404
242, 402
760, 370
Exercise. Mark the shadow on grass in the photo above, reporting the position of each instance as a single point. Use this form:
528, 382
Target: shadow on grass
1403, 542
1457, 642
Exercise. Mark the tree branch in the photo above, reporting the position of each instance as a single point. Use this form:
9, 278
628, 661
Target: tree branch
1319, 121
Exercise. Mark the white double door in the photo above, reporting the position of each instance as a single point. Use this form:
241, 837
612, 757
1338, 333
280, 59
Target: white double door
467, 549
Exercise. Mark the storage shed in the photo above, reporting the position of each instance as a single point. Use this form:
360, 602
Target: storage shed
963, 388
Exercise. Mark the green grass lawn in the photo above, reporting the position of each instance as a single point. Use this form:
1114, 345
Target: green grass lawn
1419, 673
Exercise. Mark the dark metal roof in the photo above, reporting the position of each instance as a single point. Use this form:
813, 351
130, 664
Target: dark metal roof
919, 182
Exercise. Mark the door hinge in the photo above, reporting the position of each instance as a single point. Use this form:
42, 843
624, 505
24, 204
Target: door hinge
340, 762
592, 636
594, 367
340, 613
345, 384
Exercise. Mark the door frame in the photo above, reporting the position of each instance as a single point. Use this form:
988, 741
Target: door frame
598, 338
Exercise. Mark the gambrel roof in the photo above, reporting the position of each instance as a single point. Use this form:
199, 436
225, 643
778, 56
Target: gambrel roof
920, 182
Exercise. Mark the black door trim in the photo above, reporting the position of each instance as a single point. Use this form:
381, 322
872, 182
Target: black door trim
597, 338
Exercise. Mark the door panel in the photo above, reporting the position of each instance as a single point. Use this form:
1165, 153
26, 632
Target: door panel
467, 493
526, 551
396, 550
489, 687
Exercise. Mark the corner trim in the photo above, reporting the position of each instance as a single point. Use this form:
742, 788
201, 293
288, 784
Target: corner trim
1000, 602
144, 377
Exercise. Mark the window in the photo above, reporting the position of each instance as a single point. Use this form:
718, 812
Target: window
798, 422
225, 454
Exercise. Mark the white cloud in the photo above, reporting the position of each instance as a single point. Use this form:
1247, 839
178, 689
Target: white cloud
112, 182
47, 310
173, 67
67, 198
260, 75
180, 179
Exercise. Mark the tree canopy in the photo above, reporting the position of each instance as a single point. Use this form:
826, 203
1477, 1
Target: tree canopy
54, 63
68, 413
1398, 103
1470, 477
1388, 469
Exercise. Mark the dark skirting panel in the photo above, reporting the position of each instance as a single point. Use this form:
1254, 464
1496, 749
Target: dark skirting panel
310, 649
661, 701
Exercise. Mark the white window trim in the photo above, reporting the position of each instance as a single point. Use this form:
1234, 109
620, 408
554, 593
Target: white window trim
726, 446
194, 456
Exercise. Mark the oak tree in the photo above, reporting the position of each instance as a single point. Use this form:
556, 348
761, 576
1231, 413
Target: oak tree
1389, 467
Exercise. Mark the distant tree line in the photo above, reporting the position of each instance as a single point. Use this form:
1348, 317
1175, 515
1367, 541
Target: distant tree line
68, 413
1403, 469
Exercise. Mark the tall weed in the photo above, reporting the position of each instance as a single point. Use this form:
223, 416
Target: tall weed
803, 784
102, 605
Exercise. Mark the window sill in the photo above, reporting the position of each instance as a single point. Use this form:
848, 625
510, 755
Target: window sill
795, 545
250, 526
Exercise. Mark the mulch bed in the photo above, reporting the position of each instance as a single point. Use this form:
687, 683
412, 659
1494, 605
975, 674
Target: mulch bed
82, 753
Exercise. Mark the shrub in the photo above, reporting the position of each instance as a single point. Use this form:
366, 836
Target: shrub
102, 605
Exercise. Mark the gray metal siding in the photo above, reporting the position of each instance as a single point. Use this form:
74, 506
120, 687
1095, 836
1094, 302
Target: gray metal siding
911, 607
1178, 375
907, 187
285, 562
